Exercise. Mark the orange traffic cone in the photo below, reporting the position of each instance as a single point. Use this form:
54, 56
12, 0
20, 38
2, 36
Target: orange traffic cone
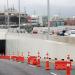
28, 57
47, 65
68, 70
38, 59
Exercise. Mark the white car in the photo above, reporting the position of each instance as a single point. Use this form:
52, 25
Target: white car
70, 33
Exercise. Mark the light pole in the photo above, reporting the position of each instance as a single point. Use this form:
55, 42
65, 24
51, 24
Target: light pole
7, 14
48, 16
19, 14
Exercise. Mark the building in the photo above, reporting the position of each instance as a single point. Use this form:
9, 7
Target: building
69, 21
45, 21
56, 21
13, 17
33, 20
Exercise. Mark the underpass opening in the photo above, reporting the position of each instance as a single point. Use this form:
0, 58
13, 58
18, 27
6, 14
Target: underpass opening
2, 47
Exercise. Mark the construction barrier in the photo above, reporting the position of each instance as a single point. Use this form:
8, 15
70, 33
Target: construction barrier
32, 60
62, 65
13, 57
5, 57
20, 59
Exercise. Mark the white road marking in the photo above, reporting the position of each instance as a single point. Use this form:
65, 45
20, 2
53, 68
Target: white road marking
53, 73
31, 65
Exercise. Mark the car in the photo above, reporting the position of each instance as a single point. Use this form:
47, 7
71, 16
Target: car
70, 33
61, 33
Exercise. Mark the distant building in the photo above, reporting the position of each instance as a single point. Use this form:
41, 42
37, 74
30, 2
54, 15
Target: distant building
69, 21
45, 21
33, 20
13, 17
56, 21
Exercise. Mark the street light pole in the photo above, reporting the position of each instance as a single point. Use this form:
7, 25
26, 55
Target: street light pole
7, 14
19, 14
48, 16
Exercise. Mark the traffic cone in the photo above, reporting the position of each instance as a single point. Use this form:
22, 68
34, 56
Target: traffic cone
68, 70
38, 61
28, 57
47, 65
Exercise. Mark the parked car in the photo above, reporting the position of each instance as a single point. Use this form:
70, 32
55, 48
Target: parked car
62, 33
70, 33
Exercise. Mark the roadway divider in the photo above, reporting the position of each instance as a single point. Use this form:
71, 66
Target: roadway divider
62, 65
13, 57
4, 57
20, 59
32, 60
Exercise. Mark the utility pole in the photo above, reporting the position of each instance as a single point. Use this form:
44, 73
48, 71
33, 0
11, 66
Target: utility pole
48, 16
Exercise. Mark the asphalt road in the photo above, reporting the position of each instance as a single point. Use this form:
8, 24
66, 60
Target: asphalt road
16, 68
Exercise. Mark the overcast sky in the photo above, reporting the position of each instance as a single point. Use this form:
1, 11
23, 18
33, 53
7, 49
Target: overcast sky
39, 7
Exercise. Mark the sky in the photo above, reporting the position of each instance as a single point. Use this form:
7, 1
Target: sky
39, 7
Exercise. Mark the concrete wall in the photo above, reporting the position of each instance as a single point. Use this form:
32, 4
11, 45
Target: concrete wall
65, 39
23, 43
3, 33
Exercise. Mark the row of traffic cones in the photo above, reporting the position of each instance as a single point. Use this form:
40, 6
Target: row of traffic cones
47, 64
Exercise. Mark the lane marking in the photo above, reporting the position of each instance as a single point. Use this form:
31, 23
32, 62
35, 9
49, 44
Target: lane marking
31, 65
53, 73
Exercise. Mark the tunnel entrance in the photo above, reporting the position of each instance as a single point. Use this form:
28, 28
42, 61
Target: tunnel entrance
2, 47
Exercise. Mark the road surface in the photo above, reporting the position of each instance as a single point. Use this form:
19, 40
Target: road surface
8, 67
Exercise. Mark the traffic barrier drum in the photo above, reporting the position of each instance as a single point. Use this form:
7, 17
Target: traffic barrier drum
62, 65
